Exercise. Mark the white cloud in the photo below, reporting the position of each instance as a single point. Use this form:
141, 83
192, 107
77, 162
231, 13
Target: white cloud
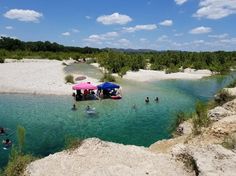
147, 27
23, 15
8, 27
200, 30
220, 36
88, 17
98, 38
114, 18
180, 2
166, 23
215, 9
65, 33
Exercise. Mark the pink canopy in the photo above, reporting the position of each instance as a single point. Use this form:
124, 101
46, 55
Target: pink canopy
84, 85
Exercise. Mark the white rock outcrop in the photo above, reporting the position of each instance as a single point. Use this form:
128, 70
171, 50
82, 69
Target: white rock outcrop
98, 158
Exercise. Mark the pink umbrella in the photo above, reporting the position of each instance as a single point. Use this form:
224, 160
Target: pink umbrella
84, 85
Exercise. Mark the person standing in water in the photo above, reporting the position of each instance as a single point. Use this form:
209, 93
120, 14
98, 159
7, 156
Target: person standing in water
74, 108
147, 100
156, 99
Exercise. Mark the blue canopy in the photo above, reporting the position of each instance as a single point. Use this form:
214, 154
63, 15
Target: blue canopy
108, 85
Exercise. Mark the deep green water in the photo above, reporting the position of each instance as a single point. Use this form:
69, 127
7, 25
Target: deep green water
48, 120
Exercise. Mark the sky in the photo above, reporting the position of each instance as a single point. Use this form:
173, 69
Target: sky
188, 25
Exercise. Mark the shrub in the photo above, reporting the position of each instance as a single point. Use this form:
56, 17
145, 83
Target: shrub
108, 77
21, 138
17, 163
201, 118
69, 79
232, 84
2, 60
123, 71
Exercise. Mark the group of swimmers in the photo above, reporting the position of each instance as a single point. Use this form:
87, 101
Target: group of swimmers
7, 142
147, 100
88, 108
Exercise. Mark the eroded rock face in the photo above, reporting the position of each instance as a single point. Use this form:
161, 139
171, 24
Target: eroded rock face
97, 158
219, 113
215, 160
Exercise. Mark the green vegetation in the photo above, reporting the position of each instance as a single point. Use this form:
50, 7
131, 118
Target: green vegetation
21, 138
17, 163
232, 84
108, 77
180, 118
2, 60
200, 119
69, 79
71, 143
17, 160
119, 61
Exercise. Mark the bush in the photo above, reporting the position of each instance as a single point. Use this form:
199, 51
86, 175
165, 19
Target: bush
123, 71
232, 84
17, 163
69, 79
108, 77
2, 60
201, 118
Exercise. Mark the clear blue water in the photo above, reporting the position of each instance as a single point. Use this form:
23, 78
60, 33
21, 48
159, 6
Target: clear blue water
48, 120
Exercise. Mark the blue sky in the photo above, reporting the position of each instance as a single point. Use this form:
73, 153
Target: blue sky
192, 25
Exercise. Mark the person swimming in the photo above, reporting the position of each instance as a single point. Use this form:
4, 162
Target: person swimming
7, 143
88, 108
147, 100
74, 108
134, 106
2, 131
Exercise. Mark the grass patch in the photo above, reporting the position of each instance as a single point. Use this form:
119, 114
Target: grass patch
201, 118
108, 77
69, 79
17, 163
17, 160
71, 143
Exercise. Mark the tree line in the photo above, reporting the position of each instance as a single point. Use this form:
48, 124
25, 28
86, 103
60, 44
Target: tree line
120, 61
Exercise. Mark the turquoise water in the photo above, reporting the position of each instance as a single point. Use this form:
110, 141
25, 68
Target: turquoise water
48, 120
